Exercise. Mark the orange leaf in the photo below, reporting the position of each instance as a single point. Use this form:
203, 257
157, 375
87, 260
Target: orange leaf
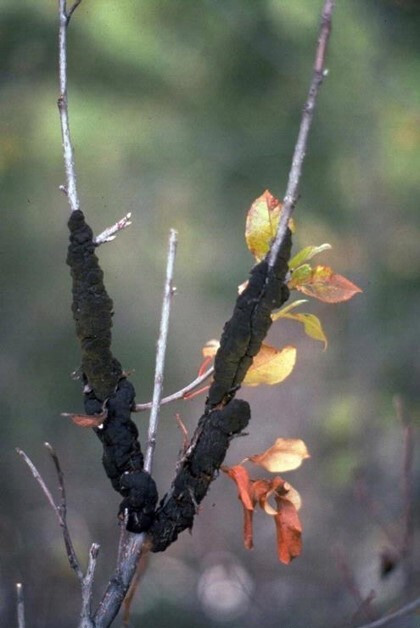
271, 486
289, 530
87, 420
248, 528
285, 455
271, 365
240, 476
323, 284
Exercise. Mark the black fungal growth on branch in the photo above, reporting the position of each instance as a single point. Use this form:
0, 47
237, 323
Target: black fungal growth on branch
244, 333
92, 310
105, 385
108, 391
206, 453
224, 416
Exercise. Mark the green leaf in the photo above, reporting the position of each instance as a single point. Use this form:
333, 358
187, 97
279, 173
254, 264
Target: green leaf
307, 253
311, 323
312, 326
300, 275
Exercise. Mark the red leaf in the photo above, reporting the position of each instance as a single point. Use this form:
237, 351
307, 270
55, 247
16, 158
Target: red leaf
323, 284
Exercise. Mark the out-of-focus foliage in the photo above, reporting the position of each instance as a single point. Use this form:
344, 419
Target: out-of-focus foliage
181, 112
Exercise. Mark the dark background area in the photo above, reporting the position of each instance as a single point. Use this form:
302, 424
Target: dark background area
183, 112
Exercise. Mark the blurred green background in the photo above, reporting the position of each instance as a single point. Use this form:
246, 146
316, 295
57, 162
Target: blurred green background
183, 112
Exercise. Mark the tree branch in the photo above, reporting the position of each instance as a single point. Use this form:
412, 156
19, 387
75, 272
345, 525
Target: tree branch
402, 612
71, 187
161, 351
110, 233
60, 511
292, 191
132, 544
87, 583
85, 580
180, 394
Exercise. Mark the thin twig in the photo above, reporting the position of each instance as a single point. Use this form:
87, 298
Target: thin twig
402, 612
68, 153
110, 233
291, 196
71, 553
180, 394
133, 545
20, 605
72, 10
60, 511
161, 351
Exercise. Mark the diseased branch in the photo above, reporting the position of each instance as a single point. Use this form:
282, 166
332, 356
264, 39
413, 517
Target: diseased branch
71, 187
180, 394
292, 190
106, 386
408, 609
20, 605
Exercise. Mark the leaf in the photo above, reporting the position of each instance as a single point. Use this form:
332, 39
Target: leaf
308, 253
288, 529
300, 275
271, 366
323, 284
285, 455
240, 476
287, 500
273, 486
210, 348
282, 489
311, 324
87, 420
261, 224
